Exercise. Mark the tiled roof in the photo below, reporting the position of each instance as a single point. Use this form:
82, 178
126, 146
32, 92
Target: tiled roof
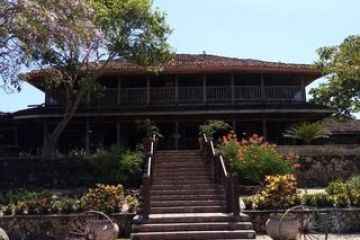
344, 126
190, 62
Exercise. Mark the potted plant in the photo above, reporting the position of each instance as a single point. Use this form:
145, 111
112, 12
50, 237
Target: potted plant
147, 128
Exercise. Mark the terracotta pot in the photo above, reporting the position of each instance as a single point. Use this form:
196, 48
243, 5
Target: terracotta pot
282, 228
103, 230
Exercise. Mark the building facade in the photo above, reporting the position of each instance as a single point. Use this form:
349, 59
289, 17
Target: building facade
253, 96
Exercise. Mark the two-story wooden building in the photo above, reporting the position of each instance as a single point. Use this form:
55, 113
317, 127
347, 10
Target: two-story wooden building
254, 96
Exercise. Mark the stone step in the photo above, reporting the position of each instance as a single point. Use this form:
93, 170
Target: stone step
182, 177
191, 218
188, 197
203, 226
179, 165
182, 181
189, 191
194, 235
186, 186
175, 203
188, 209
185, 175
198, 171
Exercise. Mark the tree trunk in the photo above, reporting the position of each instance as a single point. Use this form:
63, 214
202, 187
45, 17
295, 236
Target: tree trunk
52, 138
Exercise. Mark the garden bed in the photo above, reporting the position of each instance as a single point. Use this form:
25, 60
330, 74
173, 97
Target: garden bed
35, 227
340, 220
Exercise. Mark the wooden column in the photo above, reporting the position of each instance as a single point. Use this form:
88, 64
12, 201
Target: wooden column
87, 137
204, 88
232, 85
147, 89
16, 132
234, 125
176, 88
88, 98
264, 129
263, 95
118, 134
303, 90
45, 133
119, 90
176, 135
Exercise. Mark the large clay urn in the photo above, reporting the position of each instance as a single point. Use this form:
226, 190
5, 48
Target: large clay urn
282, 227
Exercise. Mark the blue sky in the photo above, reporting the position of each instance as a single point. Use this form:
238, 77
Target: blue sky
276, 30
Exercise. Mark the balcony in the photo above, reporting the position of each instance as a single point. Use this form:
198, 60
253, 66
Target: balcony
209, 95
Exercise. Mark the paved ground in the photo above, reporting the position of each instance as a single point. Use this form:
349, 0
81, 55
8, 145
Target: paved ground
321, 237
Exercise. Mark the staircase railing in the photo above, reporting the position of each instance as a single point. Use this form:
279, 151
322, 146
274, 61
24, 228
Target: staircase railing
229, 180
149, 148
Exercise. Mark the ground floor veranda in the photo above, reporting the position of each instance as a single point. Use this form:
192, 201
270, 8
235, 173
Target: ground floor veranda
91, 136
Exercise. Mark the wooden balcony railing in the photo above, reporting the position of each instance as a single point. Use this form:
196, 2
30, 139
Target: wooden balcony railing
223, 177
211, 95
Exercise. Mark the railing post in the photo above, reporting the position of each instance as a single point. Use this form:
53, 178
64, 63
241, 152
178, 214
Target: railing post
146, 196
235, 187
229, 194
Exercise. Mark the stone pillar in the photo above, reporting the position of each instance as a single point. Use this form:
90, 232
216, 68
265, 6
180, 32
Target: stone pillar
204, 88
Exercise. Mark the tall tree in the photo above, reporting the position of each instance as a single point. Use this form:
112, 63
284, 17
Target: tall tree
341, 65
72, 41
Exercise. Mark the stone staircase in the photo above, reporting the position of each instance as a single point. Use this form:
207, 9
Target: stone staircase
186, 204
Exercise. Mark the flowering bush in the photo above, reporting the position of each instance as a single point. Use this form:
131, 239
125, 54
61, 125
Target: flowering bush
104, 198
277, 192
254, 158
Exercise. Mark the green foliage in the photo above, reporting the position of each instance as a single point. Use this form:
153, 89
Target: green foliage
354, 183
132, 203
147, 127
248, 201
307, 132
341, 65
118, 165
318, 200
276, 193
342, 200
104, 198
66, 205
214, 129
254, 159
337, 187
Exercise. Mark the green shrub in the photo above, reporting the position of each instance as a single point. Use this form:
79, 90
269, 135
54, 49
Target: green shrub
307, 132
214, 129
354, 184
254, 159
248, 201
278, 192
104, 198
338, 187
318, 200
117, 165
342, 200
66, 205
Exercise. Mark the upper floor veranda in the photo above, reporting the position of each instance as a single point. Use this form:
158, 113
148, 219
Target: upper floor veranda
191, 89
196, 80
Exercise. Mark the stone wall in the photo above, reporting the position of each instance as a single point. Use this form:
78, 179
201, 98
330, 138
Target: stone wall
45, 227
339, 220
321, 164
318, 171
